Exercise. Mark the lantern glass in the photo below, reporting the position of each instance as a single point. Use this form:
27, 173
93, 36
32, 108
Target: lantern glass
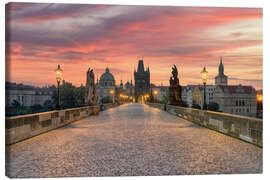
204, 74
59, 73
111, 91
259, 97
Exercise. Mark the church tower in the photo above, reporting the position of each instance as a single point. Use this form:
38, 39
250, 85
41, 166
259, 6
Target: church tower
121, 84
142, 80
221, 78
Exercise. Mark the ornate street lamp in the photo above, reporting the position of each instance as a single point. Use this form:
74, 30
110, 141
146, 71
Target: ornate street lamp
112, 93
59, 73
155, 95
204, 74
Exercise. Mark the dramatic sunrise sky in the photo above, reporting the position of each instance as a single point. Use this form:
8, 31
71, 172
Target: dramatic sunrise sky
40, 36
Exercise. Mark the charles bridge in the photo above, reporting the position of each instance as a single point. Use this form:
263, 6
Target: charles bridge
132, 139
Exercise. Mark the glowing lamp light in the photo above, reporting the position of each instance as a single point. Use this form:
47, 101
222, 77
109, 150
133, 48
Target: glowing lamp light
155, 92
259, 97
59, 73
204, 74
111, 91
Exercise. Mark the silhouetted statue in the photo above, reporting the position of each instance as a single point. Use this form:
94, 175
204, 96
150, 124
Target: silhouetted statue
175, 89
90, 88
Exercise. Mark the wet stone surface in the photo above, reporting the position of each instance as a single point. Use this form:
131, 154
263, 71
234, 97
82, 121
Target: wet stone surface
131, 140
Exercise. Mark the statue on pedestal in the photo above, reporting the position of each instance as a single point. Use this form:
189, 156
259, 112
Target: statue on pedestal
90, 88
175, 89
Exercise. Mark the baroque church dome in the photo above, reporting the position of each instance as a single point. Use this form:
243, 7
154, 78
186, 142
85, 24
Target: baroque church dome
107, 79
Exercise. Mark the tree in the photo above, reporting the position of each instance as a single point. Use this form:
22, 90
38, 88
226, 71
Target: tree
48, 105
15, 104
36, 108
70, 96
106, 100
80, 94
212, 106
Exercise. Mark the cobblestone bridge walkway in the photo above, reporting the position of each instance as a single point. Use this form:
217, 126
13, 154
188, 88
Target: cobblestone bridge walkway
132, 139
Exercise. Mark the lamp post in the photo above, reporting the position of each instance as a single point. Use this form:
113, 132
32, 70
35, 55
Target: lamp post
204, 74
112, 93
155, 95
59, 72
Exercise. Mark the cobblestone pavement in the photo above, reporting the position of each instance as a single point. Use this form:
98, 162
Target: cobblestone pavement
131, 140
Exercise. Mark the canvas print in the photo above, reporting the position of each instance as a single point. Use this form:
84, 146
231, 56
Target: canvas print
131, 90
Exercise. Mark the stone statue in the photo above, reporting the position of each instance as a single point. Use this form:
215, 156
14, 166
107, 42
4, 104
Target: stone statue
175, 88
90, 88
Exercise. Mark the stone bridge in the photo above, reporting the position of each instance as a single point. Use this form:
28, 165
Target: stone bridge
131, 140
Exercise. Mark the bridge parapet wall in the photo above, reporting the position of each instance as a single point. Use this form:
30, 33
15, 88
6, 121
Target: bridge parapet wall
246, 128
23, 127
104, 107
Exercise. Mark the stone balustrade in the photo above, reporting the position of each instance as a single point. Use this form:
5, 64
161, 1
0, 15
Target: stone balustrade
22, 127
245, 128
104, 107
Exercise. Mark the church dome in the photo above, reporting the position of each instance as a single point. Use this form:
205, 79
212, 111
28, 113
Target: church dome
107, 78
107, 75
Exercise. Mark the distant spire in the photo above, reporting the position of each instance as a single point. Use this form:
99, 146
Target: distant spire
121, 84
221, 67
140, 66
107, 70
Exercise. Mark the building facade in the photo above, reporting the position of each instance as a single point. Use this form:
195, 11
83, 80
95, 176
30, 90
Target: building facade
187, 95
238, 99
160, 93
197, 96
106, 87
27, 95
142, 80
194, 94
221, 78
129, 88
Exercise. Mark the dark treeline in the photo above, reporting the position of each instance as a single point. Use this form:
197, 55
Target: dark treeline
70, 97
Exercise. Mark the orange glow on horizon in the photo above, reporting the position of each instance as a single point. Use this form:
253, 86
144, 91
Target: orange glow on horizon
96, 36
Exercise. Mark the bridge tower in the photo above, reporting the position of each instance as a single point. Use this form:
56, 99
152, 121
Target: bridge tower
142, 80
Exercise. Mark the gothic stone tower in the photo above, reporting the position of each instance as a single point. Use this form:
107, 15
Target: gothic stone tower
221, 78
142, 80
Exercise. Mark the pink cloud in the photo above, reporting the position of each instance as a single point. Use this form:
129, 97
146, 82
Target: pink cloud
162, 38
